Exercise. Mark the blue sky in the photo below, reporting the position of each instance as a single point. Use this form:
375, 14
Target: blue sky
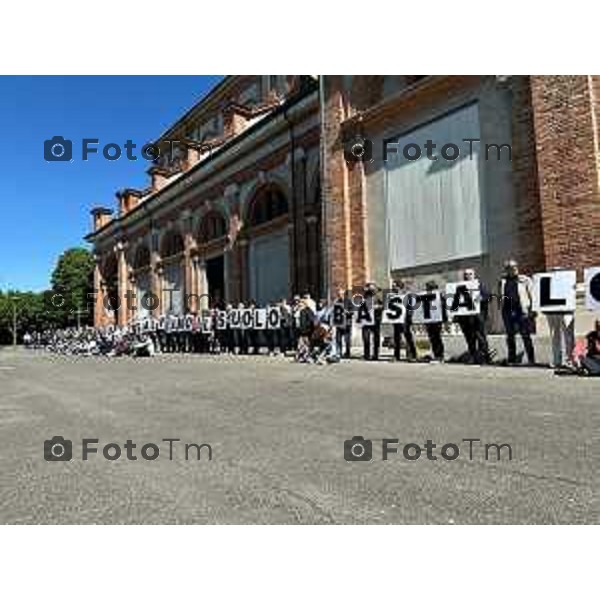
44, 206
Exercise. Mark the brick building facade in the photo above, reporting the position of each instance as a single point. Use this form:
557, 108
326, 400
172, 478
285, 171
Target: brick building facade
233, 210
277, 184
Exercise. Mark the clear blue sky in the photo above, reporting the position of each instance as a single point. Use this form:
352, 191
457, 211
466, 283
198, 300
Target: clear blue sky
44, 206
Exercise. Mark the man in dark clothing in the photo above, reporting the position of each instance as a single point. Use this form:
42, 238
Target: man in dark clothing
516, 293
252, 332
371, 334
473, 326
400, 329
241, 336
343, 333
295, 308
286, 327
434, 330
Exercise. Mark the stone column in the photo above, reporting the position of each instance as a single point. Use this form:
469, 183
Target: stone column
244, 275
231, 274
188, 246
99, 290
156, 274
195, 288
202, 285
123, 281
312, 249
133, 312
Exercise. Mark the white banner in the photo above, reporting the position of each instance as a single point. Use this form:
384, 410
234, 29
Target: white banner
338, 315
592, 288
364, 315
429, 308
221, 322
394, 312
247, 318
260, 318
554, 291
273, 317
463, 298
206, 324
234, 318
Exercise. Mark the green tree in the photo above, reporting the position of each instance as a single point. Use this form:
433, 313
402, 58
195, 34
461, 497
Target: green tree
70, 300
30, 312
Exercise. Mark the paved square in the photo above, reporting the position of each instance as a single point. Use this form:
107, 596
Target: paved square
277, 431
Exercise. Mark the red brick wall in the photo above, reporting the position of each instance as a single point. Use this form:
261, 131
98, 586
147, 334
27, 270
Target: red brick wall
335, 196
566, 146
528, 223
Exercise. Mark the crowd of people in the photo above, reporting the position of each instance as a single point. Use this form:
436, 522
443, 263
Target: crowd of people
307, 330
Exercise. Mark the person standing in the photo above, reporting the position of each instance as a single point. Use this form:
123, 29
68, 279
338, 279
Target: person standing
252, 332
371, 334
516, 293
271, 335
473, 326
343, 333
229, 333
306, 328
296, 307
241, 334
434, 330
561, 326
286, 326
403, 329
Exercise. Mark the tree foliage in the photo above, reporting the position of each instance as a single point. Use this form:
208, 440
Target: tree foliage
72, 281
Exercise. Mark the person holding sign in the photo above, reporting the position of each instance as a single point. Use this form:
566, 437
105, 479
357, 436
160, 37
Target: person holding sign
341, 319
368, 317
472, 322
285, 326
516, 293
296, 307
403, 328
251, 331
228, 332
434, 329
306, 328
241, 332
555, 296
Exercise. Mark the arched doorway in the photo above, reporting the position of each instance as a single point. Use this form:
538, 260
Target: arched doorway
312, 238
211, 245
268, 248
110, 279
171, 254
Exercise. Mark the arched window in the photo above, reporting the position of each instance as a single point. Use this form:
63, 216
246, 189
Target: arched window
142, 257
212, 227
110, 268
267, 205
172, 244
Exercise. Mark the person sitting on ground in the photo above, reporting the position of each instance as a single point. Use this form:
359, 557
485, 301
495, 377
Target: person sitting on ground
143, 346
590, 360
